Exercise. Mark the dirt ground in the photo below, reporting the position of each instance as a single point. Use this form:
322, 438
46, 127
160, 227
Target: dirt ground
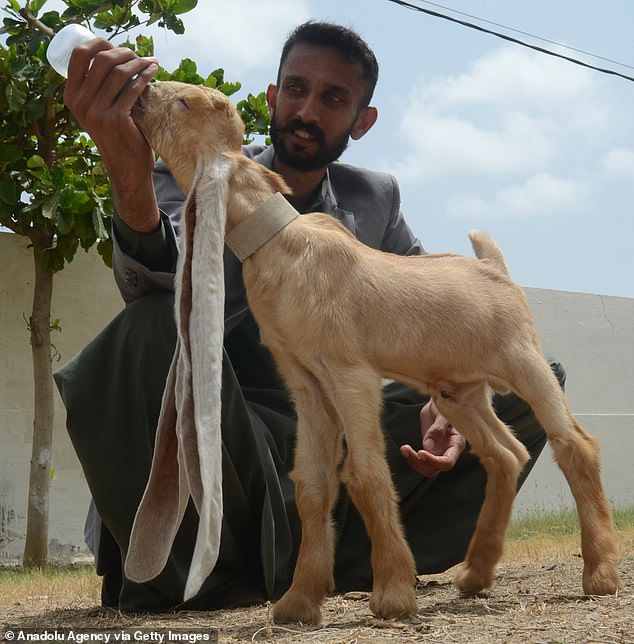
536, 598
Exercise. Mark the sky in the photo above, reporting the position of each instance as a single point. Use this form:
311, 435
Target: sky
479, 132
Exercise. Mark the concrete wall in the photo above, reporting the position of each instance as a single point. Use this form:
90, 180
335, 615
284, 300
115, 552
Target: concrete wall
593, 336
85, 300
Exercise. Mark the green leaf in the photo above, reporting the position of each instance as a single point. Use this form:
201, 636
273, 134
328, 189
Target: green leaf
64, 222
9, 153
49, 208
35, 6
104, 248
74, 201
186, 73
9, 26
14, 5
230, 88
16, 96
71, 14
65, 248
144, 46
211, 81
173, 24
8, 191
98, 225
36, 161
183, 6
34, 110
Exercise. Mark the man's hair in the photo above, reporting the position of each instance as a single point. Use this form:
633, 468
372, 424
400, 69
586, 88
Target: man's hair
349, 44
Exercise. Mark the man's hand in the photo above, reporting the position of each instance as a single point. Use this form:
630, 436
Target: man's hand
100, 92
442, 444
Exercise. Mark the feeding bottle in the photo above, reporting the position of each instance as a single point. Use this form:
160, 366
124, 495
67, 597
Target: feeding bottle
62, 44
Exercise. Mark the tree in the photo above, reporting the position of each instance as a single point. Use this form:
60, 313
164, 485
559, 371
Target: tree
53, 187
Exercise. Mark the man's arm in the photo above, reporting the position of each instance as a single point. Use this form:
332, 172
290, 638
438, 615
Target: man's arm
146, 262
103, 84
101, 95
398, 236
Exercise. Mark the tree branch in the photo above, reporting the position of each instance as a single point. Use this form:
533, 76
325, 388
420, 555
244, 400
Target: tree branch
34, 23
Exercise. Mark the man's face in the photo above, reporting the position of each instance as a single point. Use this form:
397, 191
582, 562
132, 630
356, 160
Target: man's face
316, 107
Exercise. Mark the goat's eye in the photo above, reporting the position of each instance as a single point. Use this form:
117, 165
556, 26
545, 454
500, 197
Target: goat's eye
183, 103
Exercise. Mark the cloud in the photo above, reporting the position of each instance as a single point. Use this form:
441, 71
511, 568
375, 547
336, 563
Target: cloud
619, 163
512, 76
541, 195
448, 144
239, 35
513, 112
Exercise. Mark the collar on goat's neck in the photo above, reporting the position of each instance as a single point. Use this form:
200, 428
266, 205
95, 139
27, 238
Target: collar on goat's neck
260, 226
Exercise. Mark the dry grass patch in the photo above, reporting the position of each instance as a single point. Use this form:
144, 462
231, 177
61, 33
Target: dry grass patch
49, 589
537, 597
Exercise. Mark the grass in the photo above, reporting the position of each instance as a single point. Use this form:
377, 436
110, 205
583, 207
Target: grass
47, 586
557, 535
561, 524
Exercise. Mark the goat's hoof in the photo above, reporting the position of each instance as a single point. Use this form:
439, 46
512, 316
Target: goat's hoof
470, 581
394, 602
293, 607
602, 580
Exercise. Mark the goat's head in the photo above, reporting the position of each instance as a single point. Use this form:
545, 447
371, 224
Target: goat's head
187, 125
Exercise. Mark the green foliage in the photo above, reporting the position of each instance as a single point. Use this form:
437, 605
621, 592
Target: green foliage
53, 186
187, 72
254, 111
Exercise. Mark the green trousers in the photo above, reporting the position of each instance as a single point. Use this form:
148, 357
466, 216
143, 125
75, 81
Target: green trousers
112, 392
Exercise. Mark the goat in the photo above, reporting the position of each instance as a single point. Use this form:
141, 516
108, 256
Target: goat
338, 317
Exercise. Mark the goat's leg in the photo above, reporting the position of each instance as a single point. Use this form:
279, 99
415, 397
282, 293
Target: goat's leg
578, 456
368, 480
317, 455
469, 409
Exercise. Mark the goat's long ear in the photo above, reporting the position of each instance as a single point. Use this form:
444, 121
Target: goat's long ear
166, 494
188, 452
167, 491
201, 444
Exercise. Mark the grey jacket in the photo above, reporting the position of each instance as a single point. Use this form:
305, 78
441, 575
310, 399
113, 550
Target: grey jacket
366, 202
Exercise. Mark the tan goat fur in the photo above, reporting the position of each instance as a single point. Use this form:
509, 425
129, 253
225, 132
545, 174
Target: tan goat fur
339, 316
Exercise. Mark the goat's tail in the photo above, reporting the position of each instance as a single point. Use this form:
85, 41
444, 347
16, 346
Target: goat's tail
486, 249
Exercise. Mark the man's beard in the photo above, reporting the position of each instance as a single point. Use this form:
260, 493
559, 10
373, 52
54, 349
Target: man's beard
295, 156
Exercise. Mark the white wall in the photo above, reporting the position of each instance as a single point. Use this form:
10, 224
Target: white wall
85, 300
593, 336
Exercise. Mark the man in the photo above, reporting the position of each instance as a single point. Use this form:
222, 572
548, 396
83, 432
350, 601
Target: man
112, 390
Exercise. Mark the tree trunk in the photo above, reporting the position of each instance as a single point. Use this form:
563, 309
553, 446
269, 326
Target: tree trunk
36, 546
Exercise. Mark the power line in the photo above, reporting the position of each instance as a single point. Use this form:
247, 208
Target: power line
516, 41
526, 33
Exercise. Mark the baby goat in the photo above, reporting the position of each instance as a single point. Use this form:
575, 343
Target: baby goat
338, 316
